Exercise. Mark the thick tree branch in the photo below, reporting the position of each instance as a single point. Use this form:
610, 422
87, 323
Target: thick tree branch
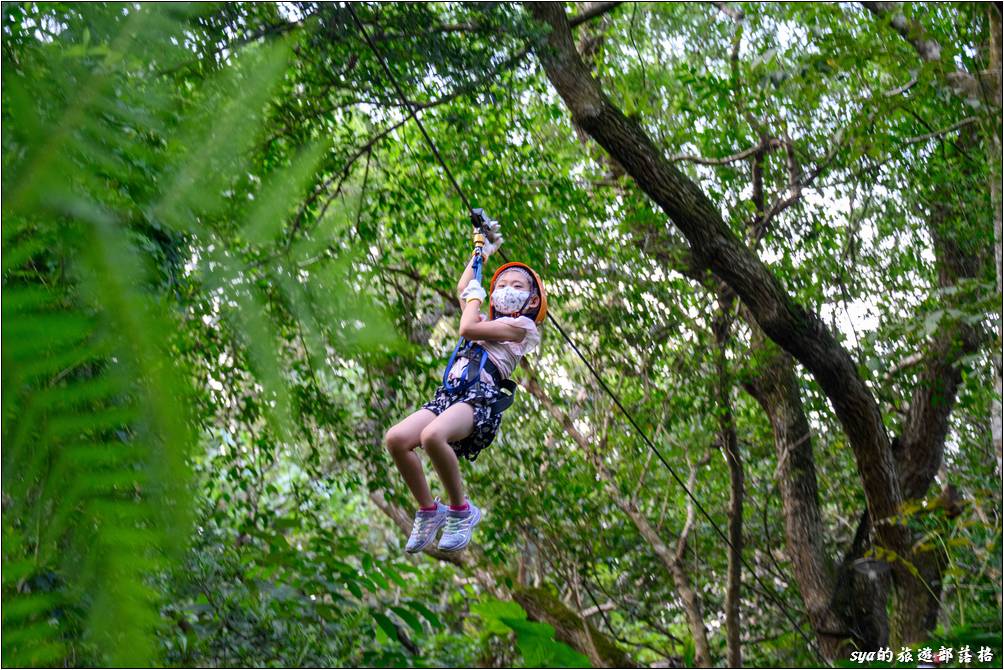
914, 33
943, 131
963, 83
904, 364
571, 628
922, 441
590, 11
797, 330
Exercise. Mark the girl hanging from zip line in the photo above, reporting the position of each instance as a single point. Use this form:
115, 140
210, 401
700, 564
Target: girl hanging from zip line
464, 415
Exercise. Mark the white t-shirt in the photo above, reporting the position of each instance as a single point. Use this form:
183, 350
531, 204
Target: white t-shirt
505, 355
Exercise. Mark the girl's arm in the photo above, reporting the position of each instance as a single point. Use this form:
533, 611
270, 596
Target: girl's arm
465, 278
473, 328
471, 325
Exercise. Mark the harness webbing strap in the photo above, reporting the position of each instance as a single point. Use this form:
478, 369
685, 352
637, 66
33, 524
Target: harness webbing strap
464, 349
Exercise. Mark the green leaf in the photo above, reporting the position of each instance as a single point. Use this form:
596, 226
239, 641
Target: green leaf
539, 648
428, 614
394, 576
378, 579
353, 587
409, 618
386, 625
493, 611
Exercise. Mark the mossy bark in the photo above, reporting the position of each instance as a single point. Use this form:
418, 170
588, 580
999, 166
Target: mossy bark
570, 628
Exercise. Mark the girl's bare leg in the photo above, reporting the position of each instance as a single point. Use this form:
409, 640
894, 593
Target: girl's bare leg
401, 441
453, 425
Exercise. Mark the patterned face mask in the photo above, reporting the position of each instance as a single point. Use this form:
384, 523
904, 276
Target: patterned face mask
509, 300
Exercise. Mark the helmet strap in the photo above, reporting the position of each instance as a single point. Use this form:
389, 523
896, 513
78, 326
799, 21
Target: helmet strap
522, 307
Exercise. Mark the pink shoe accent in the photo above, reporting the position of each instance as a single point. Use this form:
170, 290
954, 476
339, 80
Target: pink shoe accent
431, 508
460, 508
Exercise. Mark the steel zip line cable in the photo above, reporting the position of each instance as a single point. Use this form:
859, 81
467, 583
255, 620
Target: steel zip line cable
634, 424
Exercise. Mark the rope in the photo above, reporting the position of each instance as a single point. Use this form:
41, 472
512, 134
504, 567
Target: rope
550, 317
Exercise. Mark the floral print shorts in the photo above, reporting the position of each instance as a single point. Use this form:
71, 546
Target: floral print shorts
481, 397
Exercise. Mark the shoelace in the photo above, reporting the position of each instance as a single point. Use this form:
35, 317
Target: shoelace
455, 524
422, 524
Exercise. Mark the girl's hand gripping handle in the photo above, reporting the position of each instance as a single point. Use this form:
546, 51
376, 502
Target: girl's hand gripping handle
474, 291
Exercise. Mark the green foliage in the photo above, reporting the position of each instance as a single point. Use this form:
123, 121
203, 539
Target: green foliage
96, 426
535, 641
228, 268
113, 173
290, 596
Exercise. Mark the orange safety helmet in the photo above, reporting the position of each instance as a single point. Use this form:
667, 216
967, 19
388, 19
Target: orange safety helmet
541, 311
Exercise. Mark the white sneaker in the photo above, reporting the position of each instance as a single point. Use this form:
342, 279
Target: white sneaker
426, 525
459, 526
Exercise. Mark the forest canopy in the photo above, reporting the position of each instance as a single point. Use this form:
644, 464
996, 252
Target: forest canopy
772, 233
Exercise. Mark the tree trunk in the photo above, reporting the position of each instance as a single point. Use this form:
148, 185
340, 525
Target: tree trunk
979, 88
995, 157
921, 446
861, 593
730, 446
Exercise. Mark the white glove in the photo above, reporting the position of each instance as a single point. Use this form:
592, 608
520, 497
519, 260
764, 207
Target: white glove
493, 238
474, 291
491, 246
492, 230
